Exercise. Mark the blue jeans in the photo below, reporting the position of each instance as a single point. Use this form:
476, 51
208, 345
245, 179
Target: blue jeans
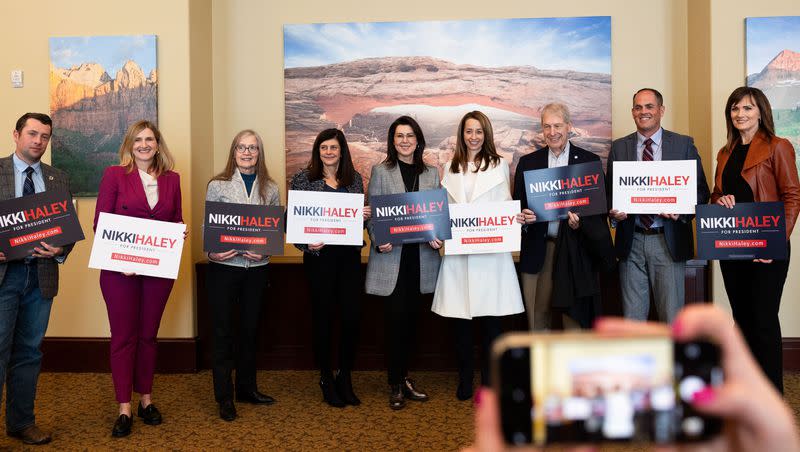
23, 321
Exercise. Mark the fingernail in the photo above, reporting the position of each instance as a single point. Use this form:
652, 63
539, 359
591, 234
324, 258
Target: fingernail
477, 398
677, 328
704, 396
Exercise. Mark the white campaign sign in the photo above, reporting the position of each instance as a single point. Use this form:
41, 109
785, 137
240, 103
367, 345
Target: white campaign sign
136, 245
328, 217
666, 186
480, 228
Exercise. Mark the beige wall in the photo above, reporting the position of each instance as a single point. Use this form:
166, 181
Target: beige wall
221, 70
727, 58
79, 310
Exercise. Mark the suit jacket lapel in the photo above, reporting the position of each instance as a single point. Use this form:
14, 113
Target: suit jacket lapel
454, 184
396, 180
486, 181
666, 146
7, 178
135, 183
630, 147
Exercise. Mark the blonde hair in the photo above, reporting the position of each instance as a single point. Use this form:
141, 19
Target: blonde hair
162, 162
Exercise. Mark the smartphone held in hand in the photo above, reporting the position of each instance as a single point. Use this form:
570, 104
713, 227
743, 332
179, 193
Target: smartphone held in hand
585, 388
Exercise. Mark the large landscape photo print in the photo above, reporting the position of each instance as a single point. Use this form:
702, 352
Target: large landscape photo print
773, 65
360, 77
99, 85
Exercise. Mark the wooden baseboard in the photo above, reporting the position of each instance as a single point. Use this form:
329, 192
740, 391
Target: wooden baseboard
87, 354
791, 353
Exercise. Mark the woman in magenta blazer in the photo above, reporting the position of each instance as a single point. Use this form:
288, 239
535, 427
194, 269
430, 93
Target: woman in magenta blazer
143, 185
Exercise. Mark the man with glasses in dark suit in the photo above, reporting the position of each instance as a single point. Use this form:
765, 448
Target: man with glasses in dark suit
27, 286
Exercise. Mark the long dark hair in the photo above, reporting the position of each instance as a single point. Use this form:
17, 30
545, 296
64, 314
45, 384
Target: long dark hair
765, 125
487, 155
345, 172
391, 150
262, 175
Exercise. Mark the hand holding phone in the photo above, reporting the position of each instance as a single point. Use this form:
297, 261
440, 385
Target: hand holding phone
589, 388
754, 414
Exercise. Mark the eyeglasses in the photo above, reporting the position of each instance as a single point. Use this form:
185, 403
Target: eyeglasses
241, 149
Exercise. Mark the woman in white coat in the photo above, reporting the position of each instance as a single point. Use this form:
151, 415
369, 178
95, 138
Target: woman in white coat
478, 285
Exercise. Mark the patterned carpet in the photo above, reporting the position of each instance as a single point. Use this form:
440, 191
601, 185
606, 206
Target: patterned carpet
79, 409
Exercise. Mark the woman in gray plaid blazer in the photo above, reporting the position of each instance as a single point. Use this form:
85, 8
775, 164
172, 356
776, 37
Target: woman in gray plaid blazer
401, 273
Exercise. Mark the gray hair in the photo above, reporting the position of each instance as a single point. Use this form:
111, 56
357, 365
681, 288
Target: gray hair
557, 109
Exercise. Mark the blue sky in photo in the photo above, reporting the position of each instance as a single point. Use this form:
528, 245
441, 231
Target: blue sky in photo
768, 36
576, 43
111, 52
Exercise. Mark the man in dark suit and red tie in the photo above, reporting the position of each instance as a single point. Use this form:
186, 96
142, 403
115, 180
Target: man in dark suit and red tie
559, 260
653, 249
27, 286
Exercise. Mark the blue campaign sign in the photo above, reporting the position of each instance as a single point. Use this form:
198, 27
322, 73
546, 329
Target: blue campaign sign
753, 230
552, 192
414, 217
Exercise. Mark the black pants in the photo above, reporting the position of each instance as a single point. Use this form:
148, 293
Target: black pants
335, 279
754, 290
402, 309
491, 327
228, 285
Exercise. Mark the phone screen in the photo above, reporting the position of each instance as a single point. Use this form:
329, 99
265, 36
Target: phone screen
567, 389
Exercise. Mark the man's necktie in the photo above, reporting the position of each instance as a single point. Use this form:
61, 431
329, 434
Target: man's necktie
647, 156
27, 187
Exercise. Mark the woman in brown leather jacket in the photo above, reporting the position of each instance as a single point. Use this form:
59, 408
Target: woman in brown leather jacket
757, 166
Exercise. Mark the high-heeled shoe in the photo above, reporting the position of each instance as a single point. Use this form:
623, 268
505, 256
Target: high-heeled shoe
329, 393
344, 386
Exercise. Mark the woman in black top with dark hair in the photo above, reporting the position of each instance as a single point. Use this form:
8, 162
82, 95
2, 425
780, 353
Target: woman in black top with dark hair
334, 271
401, 273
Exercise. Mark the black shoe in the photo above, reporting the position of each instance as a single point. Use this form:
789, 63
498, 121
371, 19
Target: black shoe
411, 392
32, 435
122, 426
255, 397
227, 410
150, 415
329, 393
396, 399
344, 386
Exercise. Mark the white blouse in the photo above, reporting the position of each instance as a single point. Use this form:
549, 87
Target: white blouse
150, 188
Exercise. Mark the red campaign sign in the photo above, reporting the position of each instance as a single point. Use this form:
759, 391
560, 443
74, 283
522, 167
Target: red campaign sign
654, 200
740, 244
35, 237
567, 203
242, 240
136, 259
474, 240
315, 230
411, 228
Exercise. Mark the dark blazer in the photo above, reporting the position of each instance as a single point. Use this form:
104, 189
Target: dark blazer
534, 236
677, 233
53, 180
122, 193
